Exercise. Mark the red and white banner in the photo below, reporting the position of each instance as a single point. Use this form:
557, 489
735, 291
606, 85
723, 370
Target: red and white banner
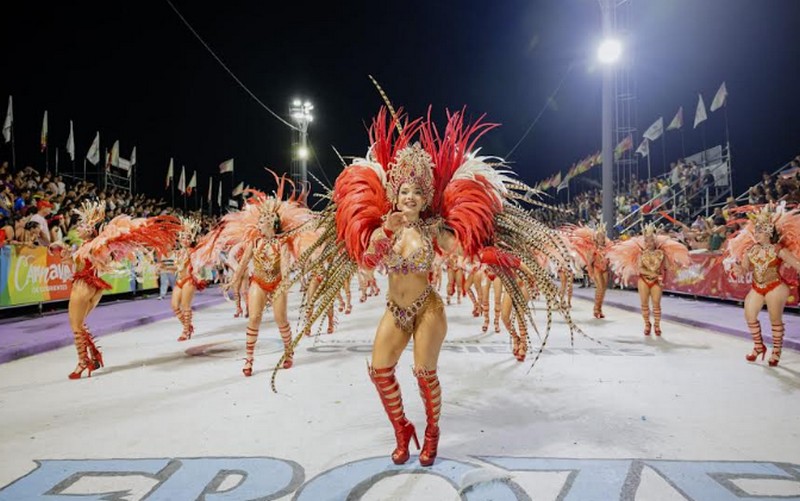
706, 277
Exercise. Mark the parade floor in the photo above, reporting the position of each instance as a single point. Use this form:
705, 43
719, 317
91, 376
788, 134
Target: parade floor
679, 417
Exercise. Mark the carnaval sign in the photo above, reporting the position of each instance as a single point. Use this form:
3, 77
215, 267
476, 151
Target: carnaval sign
479, 478
30, 275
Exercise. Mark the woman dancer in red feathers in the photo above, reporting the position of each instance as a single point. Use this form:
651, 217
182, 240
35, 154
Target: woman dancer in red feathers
648, 257
119, 240
391, 211
766, 245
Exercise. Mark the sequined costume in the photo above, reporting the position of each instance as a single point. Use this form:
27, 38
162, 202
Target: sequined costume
469, 203
769, 264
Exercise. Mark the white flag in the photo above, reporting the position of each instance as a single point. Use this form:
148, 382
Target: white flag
677, 121
219, 194
226, 166
93, 155
233, 203
43, 140
113, 157
700, 114
192, 183
644, 148
719, 98
9, 123
239, 189
71, 143
210, 189
182, 180
170, 173
654, 131
133, 156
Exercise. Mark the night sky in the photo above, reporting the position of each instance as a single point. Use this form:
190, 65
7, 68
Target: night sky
133, 71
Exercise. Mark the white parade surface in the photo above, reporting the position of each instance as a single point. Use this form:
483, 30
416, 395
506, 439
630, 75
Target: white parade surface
678, 417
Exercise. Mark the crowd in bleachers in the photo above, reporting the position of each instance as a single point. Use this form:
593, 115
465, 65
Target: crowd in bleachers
37, 208
682, 193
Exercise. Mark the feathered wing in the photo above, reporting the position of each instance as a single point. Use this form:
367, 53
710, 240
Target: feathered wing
123, 236
582, 240
738, 246
360, 203
675, 253
624, 258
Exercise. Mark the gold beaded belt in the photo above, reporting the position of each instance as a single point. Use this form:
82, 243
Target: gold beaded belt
404, 318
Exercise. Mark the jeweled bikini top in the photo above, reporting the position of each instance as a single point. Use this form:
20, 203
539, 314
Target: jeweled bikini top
651, 262
419, 261
765, 261
267, 260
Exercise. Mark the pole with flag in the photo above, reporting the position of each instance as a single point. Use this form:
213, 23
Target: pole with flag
131, 175
43, 141
182, 185
677, 123
700, 117
210, 191
71, 146
93, 155
720, 98
191, 187
227, 166
644, 150
56, 160
654, 132
219, 198
171, 180
8, 131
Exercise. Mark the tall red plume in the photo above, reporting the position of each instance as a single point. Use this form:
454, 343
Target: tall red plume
382, 135
449, 150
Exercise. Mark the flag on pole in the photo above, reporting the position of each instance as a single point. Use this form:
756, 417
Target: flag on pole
226, 166
9, 123
210, 189
71, 143
677, 122
93, 155
43, 140
700, 115
719, 98
239, 189
654, 131
623, 146
182, 180
133, 157
219, 194
113, 156
644, 148
170, 173
192, 183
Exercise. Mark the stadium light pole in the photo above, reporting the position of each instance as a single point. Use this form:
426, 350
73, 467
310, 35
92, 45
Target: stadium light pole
608, 54
301, 114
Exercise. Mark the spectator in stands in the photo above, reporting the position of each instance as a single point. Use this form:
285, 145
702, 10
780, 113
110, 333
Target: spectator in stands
6, 229
43, 209
730, 206
167, 269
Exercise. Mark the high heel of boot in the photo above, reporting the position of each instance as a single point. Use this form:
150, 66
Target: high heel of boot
647, 328
774, 359
753, 356
658, 330
247, 370
77, 374
403, 436
430, 448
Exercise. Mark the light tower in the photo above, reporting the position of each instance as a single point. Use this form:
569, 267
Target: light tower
619, 100
300, 112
